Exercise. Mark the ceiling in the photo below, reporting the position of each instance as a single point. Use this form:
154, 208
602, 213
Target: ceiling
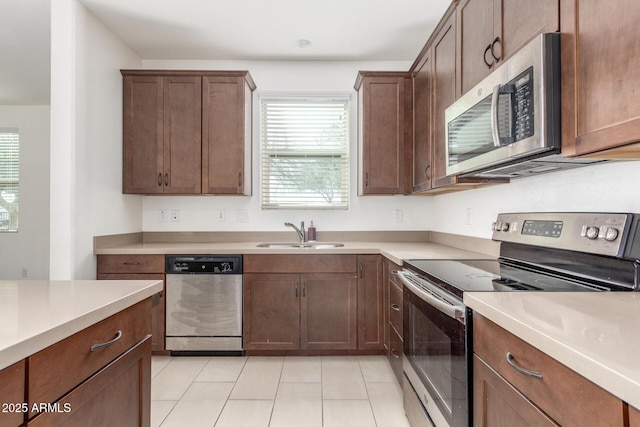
358, 30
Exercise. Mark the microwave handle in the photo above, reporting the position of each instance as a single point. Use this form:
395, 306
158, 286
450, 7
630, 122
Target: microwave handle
495, 131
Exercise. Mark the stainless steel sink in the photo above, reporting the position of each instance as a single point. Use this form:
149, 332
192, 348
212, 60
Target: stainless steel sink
305, 245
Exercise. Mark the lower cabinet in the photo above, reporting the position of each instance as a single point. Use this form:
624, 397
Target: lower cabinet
394, 314
634, 417
12, 394
99, 377
300, 311
319, 303
548, 393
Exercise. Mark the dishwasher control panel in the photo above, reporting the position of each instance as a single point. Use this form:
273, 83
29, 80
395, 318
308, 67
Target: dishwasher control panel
203, 264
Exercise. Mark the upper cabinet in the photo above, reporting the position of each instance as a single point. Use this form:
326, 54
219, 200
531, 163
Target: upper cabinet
490, 31
384, 131
600, 78
434, 89
187, 132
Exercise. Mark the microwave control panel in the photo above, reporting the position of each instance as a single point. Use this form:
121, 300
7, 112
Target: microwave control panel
522, 102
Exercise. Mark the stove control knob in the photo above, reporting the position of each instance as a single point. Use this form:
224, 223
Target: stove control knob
505, 226
592, 232
611, 234
493, 226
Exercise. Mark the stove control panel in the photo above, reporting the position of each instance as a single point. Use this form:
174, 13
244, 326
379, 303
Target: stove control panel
598, 233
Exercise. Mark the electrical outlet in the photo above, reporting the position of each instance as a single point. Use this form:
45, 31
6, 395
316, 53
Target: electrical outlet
397, 216
242, 215
25, 272
175, 215
220, 215
163, 215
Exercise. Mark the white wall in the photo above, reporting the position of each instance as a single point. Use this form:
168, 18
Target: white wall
610, 187
365, 213
86, 142
25, 254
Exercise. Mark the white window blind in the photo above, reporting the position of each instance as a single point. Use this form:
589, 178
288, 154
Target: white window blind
305, 152
9, 178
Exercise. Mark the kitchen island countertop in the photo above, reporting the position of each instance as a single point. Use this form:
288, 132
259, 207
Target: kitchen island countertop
593, 333
35, 314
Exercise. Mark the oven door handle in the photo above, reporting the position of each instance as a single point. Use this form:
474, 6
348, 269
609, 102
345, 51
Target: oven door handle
455, 311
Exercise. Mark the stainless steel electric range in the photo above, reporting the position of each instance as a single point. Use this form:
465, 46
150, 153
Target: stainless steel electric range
539, 252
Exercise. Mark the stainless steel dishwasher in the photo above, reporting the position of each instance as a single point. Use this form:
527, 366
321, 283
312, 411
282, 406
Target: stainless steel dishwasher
204, 304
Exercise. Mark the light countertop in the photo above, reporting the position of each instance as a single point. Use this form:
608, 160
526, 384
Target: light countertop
595, 334
35, 314
395, 251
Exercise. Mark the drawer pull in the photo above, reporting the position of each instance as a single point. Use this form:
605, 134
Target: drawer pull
395, 353
130, 263
108, 343
520, 369
395, 307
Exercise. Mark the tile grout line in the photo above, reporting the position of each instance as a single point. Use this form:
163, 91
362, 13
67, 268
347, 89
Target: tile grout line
364, 380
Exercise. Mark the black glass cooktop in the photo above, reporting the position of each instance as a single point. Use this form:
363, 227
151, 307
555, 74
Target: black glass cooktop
483, 275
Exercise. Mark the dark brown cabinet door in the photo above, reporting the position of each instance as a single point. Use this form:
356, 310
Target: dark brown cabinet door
328, 312
143, 170
226, 135
162, 134
271, 315
370, 303
475, 34
12, 390
489, 31
117, 395
496, 403
383, 109
600, 80
182, 134
422, 124
444, 93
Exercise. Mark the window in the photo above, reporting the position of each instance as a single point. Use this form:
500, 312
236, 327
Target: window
305, 152
9, 172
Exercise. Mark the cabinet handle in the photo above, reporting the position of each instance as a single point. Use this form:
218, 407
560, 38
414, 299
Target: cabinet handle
296, 290
493, 53
130, 263
361, 271
484, 57
395, 307
108, 343
160, 179
522, 370
239, 179
366, 179
166, 179
304, 289
395, 353
426, 172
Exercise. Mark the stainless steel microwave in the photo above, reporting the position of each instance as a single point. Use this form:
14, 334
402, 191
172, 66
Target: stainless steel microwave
508, 125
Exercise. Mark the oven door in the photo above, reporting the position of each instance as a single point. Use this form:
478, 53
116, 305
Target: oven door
435, 361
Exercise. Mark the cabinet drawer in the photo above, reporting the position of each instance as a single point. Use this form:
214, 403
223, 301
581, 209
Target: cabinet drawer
395, 354
395, 308
393, 277
299, 264
60, 367
555, 391
131, 264
12, 380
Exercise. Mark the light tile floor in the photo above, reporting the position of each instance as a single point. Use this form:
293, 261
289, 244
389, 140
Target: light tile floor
327, 391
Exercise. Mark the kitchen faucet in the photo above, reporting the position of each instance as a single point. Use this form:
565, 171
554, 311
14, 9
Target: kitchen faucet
301, 233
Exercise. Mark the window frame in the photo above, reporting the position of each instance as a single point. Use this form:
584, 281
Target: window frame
10, 181
343, 154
